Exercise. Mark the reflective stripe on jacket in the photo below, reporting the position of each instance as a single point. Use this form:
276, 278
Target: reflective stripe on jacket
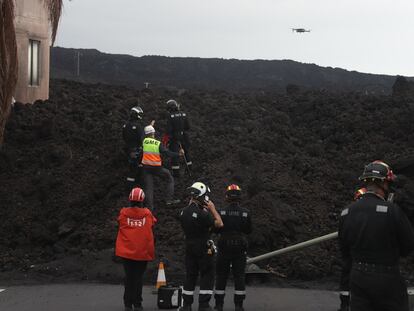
151, 152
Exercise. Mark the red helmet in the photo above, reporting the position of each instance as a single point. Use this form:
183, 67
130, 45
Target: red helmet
359, 193
137, 195
233, 192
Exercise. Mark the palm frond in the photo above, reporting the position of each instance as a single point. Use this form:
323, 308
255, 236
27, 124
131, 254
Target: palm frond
55, 11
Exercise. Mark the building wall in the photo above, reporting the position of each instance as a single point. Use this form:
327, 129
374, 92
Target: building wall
32, 23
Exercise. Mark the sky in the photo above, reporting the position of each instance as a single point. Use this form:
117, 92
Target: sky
374, 36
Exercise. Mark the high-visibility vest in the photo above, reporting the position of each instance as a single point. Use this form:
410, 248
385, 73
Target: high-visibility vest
151, 152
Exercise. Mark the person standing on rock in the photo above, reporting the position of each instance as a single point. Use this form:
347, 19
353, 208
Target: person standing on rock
346, 268
232, 248
135, 245
177, 135
133, 135
197, 220
152, 149
373, 234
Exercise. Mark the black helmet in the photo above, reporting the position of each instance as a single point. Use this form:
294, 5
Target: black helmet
199, 191
377, 170
172, 105
233, 193
136, 113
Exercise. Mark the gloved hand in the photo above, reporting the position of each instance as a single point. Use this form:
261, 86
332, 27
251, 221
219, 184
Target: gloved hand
212, 249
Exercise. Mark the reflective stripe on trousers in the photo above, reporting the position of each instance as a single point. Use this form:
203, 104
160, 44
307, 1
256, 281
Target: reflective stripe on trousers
188, 292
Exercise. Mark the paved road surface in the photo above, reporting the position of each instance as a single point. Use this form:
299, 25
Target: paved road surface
101, 297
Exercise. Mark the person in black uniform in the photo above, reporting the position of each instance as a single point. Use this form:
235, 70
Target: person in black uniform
346, 268
232, 248
177, 128
373, 234
197, 221
133, 135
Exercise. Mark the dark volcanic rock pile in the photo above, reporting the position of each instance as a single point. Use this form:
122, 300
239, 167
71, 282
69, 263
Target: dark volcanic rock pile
297, 157
208, 73
403, 87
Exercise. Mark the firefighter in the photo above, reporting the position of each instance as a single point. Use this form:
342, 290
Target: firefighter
346, 268
232, 248
177, 136
135, 245
152, 163
197, 221
373, 234
133, 134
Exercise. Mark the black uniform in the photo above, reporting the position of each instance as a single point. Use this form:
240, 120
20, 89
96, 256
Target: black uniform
232, 248
373, 234
197, 223
133, 135
177, 127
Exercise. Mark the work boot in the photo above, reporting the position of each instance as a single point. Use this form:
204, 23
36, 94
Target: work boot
208, 308
185, 308
128, 309
218, 307
172, 202
238, 308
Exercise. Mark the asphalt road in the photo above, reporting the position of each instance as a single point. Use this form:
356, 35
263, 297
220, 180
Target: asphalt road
101, 297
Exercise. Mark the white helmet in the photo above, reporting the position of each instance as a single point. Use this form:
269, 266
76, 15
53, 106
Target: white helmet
149, 129
198, 190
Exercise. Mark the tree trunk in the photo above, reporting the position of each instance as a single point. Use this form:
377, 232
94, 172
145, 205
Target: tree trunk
8, 61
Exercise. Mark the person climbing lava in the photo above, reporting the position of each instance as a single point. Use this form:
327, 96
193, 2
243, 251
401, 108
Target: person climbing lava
152, 149
177, 135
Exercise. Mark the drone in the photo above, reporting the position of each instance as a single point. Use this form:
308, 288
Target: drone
300, 30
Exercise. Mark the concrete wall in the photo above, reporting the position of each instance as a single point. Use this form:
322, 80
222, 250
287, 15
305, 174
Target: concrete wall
32, 23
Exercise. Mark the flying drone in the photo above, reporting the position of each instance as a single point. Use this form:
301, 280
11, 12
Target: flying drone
300, 30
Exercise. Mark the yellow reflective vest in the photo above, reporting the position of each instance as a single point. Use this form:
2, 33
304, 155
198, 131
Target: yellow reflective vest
151, 152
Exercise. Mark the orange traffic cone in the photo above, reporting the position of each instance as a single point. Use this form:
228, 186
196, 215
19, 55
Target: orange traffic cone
161, 280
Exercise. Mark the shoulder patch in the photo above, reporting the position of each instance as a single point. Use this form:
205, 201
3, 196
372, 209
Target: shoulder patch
134, 127
382, 209
183, 114
223, 213
194, 215
345, 212
172, 116
244, 214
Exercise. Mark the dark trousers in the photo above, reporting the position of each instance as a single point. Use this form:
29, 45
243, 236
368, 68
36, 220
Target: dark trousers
161, 172
175, 162
134, 272
344, 284
198, 262
236, 259
135, 172
374, 291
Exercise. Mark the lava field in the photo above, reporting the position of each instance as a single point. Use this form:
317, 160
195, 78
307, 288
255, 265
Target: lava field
296, 156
